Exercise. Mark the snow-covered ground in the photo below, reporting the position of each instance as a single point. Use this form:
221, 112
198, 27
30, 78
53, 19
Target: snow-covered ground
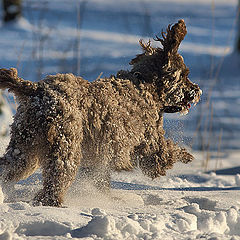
92, 37
186, 204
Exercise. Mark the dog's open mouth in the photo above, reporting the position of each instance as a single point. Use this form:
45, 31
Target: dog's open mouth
184, 106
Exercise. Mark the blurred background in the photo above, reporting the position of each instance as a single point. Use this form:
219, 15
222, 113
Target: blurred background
95, 38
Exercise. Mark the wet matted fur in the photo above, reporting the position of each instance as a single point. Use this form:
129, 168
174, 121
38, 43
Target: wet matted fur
111, 124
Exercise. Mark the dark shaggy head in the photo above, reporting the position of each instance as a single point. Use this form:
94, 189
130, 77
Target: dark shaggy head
164, 71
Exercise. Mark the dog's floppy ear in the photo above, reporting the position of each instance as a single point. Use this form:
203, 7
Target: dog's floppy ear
172, 38
147, 50
170, 41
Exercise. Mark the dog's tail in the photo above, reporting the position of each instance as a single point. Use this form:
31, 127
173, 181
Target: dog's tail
9, 80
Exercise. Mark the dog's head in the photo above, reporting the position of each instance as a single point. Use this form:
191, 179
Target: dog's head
163, 69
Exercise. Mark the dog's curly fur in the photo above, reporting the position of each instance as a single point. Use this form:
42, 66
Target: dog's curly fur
111, 124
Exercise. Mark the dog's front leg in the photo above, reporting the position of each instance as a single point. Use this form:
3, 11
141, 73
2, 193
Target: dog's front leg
156, 157
179, 153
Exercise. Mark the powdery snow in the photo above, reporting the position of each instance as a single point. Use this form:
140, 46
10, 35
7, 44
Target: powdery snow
145, 212
5, 116
189, 205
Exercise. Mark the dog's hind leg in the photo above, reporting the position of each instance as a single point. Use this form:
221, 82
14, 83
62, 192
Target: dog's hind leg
17, 163
22, 155
60, 163
58, 171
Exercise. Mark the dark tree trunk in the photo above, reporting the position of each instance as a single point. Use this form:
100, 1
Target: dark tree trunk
238, 29
1, 103
238, 44
12, 10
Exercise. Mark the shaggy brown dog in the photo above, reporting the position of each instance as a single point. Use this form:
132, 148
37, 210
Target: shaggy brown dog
111, 124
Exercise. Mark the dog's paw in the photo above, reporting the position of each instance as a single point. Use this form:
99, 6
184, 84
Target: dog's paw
45, 199
186, 157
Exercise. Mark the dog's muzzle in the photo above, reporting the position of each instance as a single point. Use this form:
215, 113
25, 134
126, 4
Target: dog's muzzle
191, 97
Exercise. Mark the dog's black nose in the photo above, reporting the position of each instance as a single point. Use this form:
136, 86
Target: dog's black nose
190, 95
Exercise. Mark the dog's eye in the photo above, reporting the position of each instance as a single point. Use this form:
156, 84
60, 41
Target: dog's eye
137, 75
